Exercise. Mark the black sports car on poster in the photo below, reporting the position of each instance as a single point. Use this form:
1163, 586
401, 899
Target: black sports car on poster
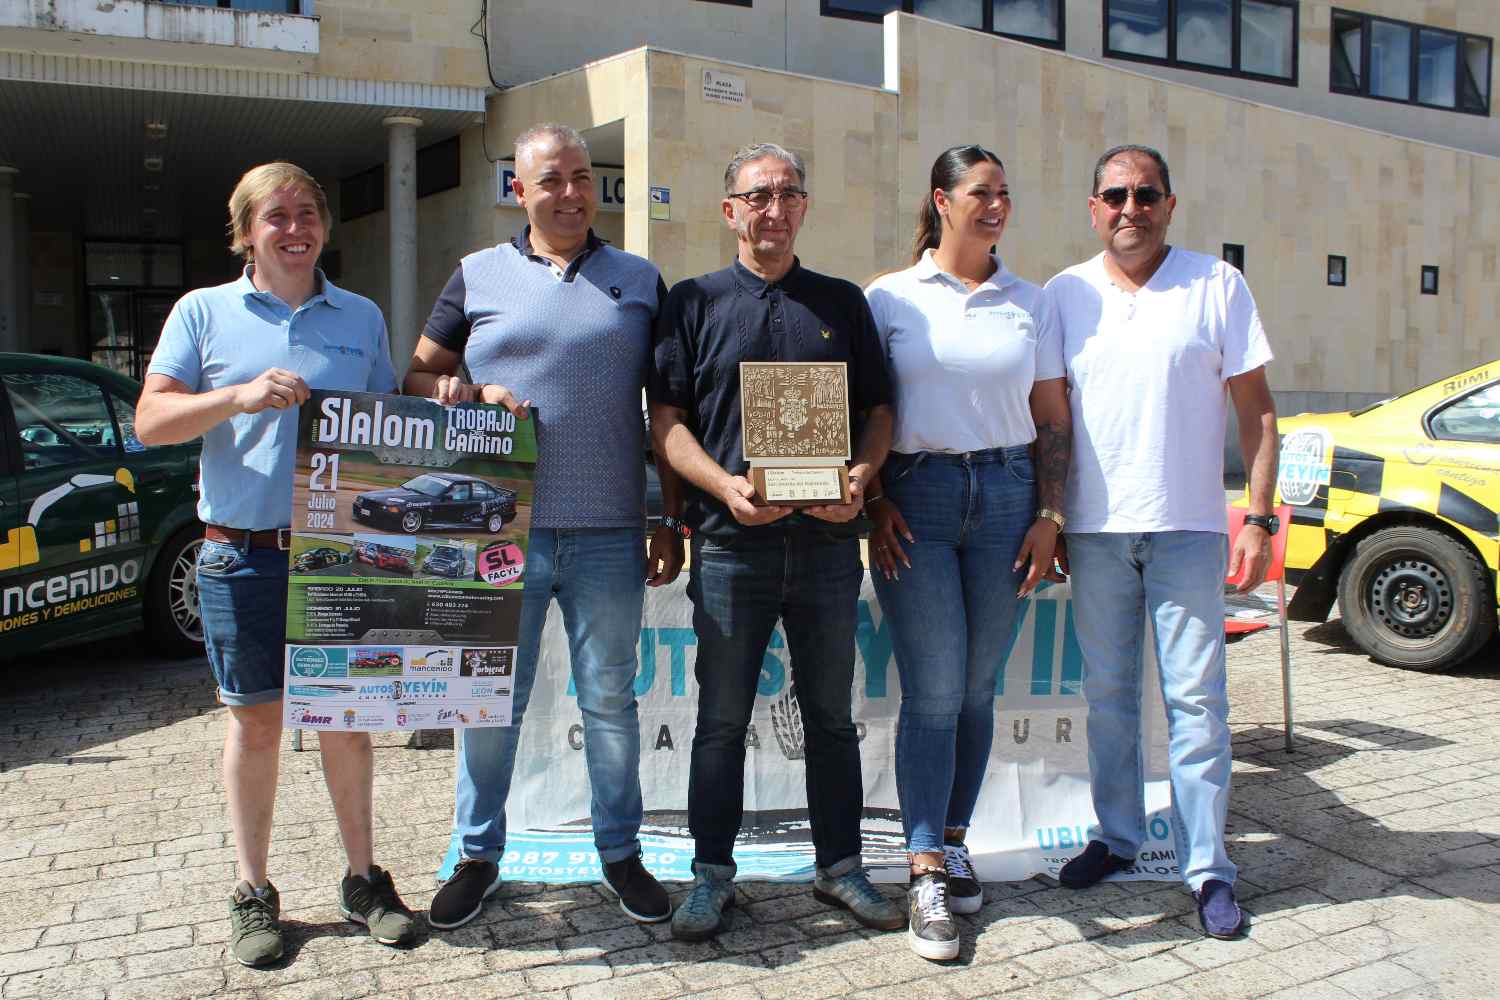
444, 560
438, 499
318, 558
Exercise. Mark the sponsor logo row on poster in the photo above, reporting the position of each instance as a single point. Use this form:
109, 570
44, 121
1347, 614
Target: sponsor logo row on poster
399, 687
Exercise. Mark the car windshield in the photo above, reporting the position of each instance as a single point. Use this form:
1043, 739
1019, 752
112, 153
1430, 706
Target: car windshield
427, 485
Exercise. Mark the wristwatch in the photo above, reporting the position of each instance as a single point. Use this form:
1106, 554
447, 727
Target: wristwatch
679, 528
1270, 522
1053, 516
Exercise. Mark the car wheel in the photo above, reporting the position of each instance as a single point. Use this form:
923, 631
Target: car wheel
411, 522
1416, 598
173, 620
495, 523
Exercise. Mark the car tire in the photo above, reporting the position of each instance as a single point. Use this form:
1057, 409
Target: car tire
173, 621
495, 523
1416, 598
411, 522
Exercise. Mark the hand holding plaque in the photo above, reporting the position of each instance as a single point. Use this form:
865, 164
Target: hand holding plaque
794, 418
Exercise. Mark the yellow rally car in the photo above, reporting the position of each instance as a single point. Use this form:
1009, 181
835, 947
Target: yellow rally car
1394, 513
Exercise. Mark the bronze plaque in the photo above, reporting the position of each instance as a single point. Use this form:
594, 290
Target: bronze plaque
795, 431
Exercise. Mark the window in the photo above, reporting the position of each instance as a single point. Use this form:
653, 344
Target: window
438, 167
1039, 21
1429, 279
1234, 256
1337, 270
1411, 63
258, 6
1250, 38
125, 420
1476, 417
63, 419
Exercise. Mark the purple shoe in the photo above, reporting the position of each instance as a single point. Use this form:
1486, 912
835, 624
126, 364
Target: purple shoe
1219, 914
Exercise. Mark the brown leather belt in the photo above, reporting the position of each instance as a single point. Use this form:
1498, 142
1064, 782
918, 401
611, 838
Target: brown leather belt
271, 538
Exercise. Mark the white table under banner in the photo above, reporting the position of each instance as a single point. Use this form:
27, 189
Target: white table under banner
1034, 813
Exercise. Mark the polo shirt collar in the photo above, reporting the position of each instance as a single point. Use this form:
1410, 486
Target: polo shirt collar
522, 242
927, 269
758, 286
323, 289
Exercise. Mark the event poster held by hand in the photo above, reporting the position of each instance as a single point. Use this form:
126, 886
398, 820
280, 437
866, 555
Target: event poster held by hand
409, 528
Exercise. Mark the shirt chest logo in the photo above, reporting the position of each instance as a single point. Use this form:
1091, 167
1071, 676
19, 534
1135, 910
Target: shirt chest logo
827, 334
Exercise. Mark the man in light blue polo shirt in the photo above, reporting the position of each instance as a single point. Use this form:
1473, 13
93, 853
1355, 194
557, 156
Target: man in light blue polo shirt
233, 365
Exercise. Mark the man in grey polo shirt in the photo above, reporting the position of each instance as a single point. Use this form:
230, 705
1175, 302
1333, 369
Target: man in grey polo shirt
234, 363
564, 320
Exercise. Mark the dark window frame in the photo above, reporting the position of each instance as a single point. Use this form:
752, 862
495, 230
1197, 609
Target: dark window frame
1234, 256
1235, 16
1431, 269
1461, 38
826, 9
1343, 281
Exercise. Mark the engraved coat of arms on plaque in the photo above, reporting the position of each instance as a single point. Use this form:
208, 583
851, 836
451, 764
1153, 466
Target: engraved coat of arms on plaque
795, 428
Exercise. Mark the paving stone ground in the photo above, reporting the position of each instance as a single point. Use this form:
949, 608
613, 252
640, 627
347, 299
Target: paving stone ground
1370, 860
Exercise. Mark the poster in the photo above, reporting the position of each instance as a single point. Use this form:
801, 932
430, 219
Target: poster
408, 548
1034, 813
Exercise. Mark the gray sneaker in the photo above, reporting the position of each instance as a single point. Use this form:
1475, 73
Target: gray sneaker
931, 933
701, 915
254, 934
846, 885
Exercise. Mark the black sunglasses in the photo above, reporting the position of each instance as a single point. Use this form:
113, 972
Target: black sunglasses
1115, 197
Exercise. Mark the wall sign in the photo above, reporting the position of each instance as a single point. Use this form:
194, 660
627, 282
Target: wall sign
723, 88
609, 186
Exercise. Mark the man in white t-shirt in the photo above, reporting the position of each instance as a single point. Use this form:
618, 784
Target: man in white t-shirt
1156, 341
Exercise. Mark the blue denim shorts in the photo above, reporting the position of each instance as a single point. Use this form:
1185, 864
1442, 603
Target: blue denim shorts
242, 595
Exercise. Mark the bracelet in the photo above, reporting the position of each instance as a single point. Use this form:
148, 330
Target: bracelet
874, 499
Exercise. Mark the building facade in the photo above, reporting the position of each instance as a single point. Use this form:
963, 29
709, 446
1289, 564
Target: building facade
1344, 155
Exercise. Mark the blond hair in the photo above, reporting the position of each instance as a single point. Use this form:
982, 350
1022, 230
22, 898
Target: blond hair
260, 183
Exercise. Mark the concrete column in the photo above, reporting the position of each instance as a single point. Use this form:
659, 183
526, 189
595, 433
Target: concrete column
9, 306
401, 207
22, 211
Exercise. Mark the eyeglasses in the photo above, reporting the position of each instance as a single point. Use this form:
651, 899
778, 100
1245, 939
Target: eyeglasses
759, 199
1115, 197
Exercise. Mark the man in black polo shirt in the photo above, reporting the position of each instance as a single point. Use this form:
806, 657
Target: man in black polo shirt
752, 565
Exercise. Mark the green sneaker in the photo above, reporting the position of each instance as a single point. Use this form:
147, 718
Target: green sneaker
254, 934
701, 915
373, 902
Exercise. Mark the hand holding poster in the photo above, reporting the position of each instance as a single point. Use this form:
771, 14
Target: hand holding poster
409, 527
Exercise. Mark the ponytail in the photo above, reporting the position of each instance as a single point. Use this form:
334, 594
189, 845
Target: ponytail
947, 170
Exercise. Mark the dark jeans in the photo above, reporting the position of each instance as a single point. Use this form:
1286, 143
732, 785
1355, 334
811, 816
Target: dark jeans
738, 591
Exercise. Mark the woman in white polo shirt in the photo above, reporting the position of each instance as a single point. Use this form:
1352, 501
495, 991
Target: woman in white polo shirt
965, 514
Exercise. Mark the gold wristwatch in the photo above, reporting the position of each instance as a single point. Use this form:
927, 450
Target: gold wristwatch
1052, 516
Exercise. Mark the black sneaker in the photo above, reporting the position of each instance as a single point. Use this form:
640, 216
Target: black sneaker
641, 896
460, 899
373, 902
930, 929
965, 894
1093, 864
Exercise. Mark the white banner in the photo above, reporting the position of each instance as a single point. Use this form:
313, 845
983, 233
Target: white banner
1035, 811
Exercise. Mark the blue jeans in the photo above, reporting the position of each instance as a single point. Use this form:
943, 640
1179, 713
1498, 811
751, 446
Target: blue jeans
952, 615
242, 597
598, 577
1177, 577
739, 590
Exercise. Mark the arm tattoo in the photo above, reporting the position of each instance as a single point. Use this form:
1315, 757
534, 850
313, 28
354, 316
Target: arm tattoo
1054, 449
